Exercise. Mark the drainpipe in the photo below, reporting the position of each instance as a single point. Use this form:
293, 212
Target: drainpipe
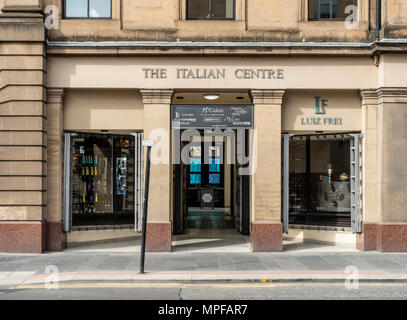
378, 18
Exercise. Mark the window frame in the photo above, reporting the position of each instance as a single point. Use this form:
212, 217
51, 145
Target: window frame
187, 18
355, 3
87, 17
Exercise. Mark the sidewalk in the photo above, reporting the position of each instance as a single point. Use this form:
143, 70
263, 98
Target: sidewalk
73, 267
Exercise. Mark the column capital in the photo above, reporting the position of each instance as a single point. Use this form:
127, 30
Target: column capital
267, 96
368, 96
55, 95
157, 96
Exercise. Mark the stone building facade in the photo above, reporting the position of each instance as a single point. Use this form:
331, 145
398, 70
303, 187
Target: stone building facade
72, 79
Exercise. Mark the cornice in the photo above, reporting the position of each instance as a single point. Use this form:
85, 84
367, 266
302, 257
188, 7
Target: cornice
118, 48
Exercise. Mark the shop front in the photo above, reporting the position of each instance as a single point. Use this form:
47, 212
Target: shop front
322, 165
326, 140
303, 143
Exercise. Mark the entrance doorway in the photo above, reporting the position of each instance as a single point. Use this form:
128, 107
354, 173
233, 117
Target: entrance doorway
210, 189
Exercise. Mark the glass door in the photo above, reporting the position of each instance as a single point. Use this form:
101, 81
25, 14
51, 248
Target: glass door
123, 179
206, 175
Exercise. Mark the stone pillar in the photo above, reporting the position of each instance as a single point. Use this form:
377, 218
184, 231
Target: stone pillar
384, 226
266, 228
56, 239
367, 240
157, 104
22, 127
392, 155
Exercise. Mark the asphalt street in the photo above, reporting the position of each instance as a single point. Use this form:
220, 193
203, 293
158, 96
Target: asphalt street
235, 291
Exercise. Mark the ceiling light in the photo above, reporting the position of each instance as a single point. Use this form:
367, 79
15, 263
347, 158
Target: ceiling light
211, 96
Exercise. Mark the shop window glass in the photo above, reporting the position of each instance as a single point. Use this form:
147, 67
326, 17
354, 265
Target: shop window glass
210, 9
92, 9
328, 9
102, 179
320, 180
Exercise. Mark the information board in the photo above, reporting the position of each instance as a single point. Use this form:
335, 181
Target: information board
211, 116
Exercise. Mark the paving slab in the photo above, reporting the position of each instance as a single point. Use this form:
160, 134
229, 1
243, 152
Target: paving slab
184, 266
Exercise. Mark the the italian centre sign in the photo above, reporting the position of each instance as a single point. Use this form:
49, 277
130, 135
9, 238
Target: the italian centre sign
214, 73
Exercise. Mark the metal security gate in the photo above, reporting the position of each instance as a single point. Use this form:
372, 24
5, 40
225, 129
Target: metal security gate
242, 185
242, 203
180, 194
356, 221
139, 169
355, 179
138, 183
67, 205
285, 180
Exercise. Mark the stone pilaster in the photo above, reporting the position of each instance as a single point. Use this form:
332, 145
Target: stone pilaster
157, 115
367, 240
384, 226
22, 128
266, 226
392, 174
56, 239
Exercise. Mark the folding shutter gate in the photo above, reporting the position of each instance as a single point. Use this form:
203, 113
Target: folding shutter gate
355, 178
139, 169
285, 180
67, 205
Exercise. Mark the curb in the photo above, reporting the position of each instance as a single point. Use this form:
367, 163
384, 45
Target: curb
215, 280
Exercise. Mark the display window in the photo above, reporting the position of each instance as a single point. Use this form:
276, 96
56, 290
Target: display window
102, 182
319, 180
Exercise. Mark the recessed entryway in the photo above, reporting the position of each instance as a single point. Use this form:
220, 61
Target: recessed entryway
211, 240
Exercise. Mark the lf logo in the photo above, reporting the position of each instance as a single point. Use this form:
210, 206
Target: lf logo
320, 105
